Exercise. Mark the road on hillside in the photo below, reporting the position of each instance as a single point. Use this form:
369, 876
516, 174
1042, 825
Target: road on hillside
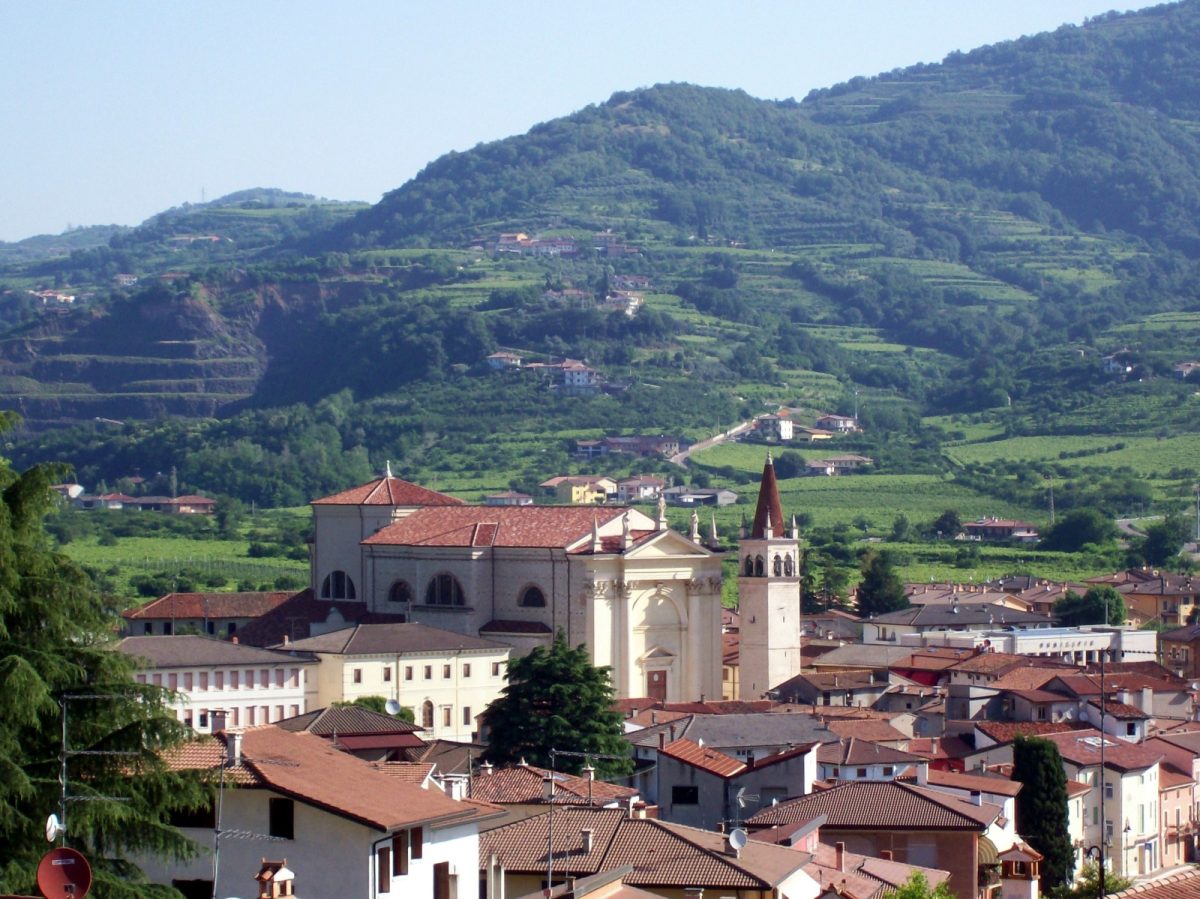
681, 458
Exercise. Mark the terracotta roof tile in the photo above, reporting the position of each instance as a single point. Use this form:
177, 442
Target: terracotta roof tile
409, 772
388, 492
869, 730
523, 784
1007, 731
704, 757
191, 651
346, 720
209, 605
862, 752
395, 638
881, 805
880, 871
1182, 885
294, 618
509, 526
1083, 748
1002, 786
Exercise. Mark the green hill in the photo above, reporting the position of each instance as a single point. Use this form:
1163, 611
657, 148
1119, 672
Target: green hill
951, 247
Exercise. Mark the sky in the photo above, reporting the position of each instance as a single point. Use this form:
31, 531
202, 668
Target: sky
114, 110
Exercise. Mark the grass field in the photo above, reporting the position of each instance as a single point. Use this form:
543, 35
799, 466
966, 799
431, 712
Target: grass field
1148, 456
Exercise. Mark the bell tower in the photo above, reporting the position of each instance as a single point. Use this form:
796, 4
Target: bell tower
768, 595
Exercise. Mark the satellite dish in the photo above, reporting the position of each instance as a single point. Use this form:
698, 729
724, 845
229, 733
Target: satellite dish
737, 839
1070, 713
392, 707
53, 828
64, 872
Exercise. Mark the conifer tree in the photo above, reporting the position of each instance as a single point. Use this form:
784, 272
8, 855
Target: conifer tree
556, 699
1042, 807
56, 638
881, 590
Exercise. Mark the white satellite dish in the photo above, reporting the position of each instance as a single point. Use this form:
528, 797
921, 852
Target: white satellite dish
53, 828
737, 839
392, 707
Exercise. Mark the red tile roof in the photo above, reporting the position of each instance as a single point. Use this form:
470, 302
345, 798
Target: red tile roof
388, 492
293, 618
1007, 731
982, 783
704, 757
1083, 748
209, 605
509, 626
1181, 885
508, 526
881, 805
862, 752
523, 784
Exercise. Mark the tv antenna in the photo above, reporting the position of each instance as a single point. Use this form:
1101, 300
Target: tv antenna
65, 753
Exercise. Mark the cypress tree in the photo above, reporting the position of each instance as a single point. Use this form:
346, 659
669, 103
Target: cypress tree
1042, 807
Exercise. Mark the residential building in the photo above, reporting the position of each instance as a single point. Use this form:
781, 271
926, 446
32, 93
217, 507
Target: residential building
839, 424
508, 498
359, 731
351, 830
581, 489
1171, 598
503, 361
702, 787
446, 678
640, 489
214, 614
775, 427
217, 683
1001, 529
854, 759
684, 495
668, 860
940, 618
862, 688
916, 825
521, 791
645, 599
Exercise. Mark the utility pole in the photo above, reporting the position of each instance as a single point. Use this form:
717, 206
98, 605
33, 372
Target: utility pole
1050, 484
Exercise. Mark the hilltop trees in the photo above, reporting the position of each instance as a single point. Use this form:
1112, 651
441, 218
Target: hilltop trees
1077, 529
556, 699
55, 651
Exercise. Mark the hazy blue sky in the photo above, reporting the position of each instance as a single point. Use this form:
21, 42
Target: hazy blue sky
113, 111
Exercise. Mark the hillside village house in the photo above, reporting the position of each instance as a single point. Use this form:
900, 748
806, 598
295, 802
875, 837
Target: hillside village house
348, 829
446, 678
214, 614
217, 683
578, 490
645, 599
839, 424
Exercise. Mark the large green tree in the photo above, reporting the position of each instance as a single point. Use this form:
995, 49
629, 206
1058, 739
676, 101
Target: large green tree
1079, 528
880, 591
917, 887
56, 637
556, 699
1042, 807
1101, 604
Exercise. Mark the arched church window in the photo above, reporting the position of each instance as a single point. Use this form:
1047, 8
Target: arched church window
777, 566
444, 590
788, 568
749, 566
758, 566
400, 592
532, 598
427, 715
338, 585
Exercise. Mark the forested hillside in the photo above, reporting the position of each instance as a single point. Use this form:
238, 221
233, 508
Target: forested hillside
951, 249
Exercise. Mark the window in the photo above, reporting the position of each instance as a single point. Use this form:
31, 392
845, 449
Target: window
400, 853
338, 585
427, 715
187, 680
1131, 729
148, 627
383, 869
357, 676
446, 716
444, 590
167, 628
788, 567
417, 840
408, 672
211, 627
218, 680
777, 566
466, 669
466, 716
888, 770
428, 672
279, 677
860, 772
495, 669
758, 566
445, 671
685, 795
532, 598
387, 673
203, 720
400, 592
749, 566
282, 818
173, 681
1108, 789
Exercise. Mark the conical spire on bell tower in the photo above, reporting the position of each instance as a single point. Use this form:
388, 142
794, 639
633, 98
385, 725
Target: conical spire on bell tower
768, 514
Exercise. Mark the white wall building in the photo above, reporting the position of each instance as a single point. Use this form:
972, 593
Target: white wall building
446, 678
222, 684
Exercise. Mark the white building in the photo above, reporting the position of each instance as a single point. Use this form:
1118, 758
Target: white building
645, 599
446, 678
221, 684
1077, 645
348, 829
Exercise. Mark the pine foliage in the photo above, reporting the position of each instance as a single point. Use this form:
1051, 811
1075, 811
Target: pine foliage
1042, 807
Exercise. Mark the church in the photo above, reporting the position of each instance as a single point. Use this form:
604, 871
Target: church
644, 598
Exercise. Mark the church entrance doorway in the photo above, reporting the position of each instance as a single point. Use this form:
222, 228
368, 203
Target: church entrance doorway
656, 685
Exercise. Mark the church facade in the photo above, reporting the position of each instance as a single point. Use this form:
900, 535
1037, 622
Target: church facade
645, 599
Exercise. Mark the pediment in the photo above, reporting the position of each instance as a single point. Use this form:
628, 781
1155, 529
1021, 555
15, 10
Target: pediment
668, 544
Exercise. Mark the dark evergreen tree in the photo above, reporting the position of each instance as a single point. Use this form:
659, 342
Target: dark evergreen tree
1042, 807
556, 699
56, 649
880, 591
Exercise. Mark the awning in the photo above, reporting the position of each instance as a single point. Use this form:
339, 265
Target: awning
988, 855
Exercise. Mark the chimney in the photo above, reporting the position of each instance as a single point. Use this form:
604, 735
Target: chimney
486, 769
586, 840
662, 739
922, 773
233, 749
886, 855
839, 849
